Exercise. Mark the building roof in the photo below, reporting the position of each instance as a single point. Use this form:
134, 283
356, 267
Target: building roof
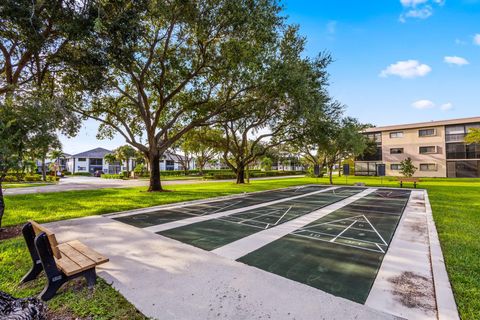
173, 156
424, 124
94, 153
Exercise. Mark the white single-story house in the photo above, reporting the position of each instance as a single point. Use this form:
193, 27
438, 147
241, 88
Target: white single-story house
93, 160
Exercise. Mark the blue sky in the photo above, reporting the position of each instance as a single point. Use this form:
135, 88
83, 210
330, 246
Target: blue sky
396, 61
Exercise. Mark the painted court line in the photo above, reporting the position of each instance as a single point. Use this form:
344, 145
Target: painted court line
255, 241
188, 203
184, 222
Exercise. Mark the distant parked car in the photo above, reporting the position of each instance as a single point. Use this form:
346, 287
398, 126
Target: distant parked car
98, 173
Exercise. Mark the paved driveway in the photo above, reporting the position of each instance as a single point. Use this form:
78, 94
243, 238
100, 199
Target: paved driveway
86, 183
90, 183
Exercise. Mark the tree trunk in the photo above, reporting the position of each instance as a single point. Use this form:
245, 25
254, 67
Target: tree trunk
155, 183
2, 204
44, 170
330, 173
240, 174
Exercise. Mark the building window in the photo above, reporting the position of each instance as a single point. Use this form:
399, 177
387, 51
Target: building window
96, 162
427, 132
396, 150
428, 167
81, 168
427, 150
395, 166
396, 134
82, 159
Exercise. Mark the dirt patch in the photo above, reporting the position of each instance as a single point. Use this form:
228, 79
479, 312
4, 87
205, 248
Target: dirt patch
63, 315
10, 232
414, 291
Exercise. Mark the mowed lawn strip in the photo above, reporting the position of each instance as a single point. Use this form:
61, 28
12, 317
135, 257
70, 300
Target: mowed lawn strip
455, 203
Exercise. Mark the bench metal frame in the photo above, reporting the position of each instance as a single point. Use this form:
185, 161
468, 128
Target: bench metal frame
43, 259
414, 183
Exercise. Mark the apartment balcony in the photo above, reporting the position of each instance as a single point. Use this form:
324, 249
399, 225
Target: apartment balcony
459, 137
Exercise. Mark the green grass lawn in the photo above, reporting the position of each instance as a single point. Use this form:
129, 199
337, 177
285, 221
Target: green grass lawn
455, 203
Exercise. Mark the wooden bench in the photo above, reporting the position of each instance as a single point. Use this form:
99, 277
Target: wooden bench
403, 179
61, 262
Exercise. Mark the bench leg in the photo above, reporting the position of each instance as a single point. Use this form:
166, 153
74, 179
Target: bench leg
52, 287
91, 277
55, 277
36, 268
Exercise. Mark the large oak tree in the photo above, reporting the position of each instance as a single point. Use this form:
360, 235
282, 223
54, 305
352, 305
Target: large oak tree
175, 65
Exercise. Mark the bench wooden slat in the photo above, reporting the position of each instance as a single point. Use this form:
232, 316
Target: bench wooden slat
68, 266
81, 260
50, 235
90, 253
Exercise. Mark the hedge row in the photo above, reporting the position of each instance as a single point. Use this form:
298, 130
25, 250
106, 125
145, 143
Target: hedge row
253, 174
113, 176
28, 178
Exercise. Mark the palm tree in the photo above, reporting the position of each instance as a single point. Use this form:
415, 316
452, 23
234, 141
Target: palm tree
57, 154
110, 158
125, 153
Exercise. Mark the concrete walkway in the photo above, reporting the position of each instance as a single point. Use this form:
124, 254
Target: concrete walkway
73, 183
168, 280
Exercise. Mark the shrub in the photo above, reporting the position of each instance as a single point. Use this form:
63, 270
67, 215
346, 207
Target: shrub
112, 176
32, 178
84, 174
52, 178
66, 173
11, 178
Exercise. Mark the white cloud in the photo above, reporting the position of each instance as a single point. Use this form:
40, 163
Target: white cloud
406, 69
423, 104
418, 9
412, 3
446, 106
459, 61
422, 13
476, 39
331, 27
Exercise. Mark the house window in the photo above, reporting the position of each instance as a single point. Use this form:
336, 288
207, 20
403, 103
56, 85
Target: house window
396, 134
427, 132
82, 159
427, 150
428, 167
81, 168
396, 150
96, 161
395, 166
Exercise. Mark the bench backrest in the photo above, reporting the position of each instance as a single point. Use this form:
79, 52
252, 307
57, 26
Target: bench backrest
408, 179
50, 235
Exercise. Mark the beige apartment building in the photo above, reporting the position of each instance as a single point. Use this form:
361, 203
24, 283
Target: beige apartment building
436, 148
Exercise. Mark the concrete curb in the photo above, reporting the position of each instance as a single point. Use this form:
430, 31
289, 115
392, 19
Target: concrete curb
446, 306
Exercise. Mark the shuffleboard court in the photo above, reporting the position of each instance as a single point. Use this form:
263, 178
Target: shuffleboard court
214, 233
341, 252
161, 216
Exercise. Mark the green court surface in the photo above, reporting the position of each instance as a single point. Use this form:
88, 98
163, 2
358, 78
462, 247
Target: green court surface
341, 252
161, 216
214, 233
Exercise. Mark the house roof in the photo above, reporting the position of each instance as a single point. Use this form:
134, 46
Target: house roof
424, 124
94, 153
173, 156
